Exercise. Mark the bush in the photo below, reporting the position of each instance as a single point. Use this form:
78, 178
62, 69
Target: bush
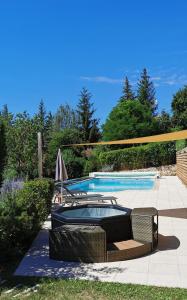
181, 144
10, 186
21, 215
74, 164
72, 156
92, 165
151, 155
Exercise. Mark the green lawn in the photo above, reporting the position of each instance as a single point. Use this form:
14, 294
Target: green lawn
78, 289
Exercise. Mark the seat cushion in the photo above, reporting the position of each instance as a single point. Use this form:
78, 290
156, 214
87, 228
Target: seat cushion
124, 245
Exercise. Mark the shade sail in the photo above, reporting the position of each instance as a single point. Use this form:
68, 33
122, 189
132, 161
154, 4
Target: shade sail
166, 137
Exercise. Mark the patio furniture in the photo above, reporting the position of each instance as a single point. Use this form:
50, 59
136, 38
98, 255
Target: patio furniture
78, 243
91, 243
88, 244
127, 250
75, 197
114, 219
145, 225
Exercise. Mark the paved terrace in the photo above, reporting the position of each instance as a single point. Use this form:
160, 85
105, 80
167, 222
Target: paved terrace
165, 267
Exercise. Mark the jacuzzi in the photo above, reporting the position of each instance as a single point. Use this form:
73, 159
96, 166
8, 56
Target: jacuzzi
114, 219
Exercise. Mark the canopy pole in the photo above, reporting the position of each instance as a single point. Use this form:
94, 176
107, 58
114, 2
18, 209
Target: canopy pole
40, 159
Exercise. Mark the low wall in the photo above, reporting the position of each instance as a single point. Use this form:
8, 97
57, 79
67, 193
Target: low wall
182, 165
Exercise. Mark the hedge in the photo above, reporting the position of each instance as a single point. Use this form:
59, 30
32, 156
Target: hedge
150, 155
21, 215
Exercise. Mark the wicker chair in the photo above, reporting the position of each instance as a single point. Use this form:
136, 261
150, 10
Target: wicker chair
145, 225
78, 243
88, 243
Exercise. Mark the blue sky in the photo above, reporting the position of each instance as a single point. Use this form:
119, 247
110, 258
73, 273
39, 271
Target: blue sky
51, 49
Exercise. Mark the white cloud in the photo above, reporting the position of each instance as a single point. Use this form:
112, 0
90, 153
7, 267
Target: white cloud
160, 77
156, 78
103, 79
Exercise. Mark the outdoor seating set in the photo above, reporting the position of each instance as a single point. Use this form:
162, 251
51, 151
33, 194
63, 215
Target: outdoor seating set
72, 197
97, 232
113, 239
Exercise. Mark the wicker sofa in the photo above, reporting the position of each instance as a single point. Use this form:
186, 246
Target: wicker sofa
88, 243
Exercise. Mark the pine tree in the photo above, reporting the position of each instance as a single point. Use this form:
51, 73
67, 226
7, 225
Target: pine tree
5, 112
87, 124
146, 92
128, 94
65, 117
2, 149
41, 116
49, 127
179, 108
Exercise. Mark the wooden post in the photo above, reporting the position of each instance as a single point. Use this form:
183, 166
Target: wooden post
40, 161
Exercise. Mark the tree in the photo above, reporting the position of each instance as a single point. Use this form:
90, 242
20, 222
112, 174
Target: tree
146, 92
129, 119
2, 149
128, 94
66, 117
164, 122
179, 108
41, 117
21, 146
6, 116
87, 124
58, 140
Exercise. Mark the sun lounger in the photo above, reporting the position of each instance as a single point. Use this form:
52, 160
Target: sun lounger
76, 197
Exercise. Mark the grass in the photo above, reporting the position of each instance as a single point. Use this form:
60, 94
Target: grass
79, 289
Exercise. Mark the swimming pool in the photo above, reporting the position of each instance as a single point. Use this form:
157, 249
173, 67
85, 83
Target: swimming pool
113, 184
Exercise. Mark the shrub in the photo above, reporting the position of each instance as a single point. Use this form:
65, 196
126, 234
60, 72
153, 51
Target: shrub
92, 165
181, 144
151, 155
10, 186
21, 215
74, 164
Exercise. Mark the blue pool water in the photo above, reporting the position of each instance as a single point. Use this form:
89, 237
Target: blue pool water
92, 212
113, 184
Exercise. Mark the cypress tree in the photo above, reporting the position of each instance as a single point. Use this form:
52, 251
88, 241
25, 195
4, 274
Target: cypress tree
128, 94
41, 116
146, 92
87, 124
2, 149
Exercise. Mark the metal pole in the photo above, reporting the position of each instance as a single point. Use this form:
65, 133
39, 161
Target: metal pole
40, 160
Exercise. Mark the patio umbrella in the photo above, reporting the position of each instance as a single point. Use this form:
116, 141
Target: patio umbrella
60, 172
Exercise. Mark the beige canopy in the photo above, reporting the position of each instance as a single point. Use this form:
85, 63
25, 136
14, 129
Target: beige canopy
166, 137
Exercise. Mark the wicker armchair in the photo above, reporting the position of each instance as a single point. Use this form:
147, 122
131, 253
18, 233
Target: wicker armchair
78, 243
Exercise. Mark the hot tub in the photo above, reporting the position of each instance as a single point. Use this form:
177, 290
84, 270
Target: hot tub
114, 219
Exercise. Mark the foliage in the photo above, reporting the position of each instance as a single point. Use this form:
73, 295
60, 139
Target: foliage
22, 213
10, 186
179, 108
58, 139
65, 117
151, 155
92, 164
129, 119
87, 124
181, 144
74, 163
164, 122
128, 94
2, 149
146, 92
44, 123
21, 145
